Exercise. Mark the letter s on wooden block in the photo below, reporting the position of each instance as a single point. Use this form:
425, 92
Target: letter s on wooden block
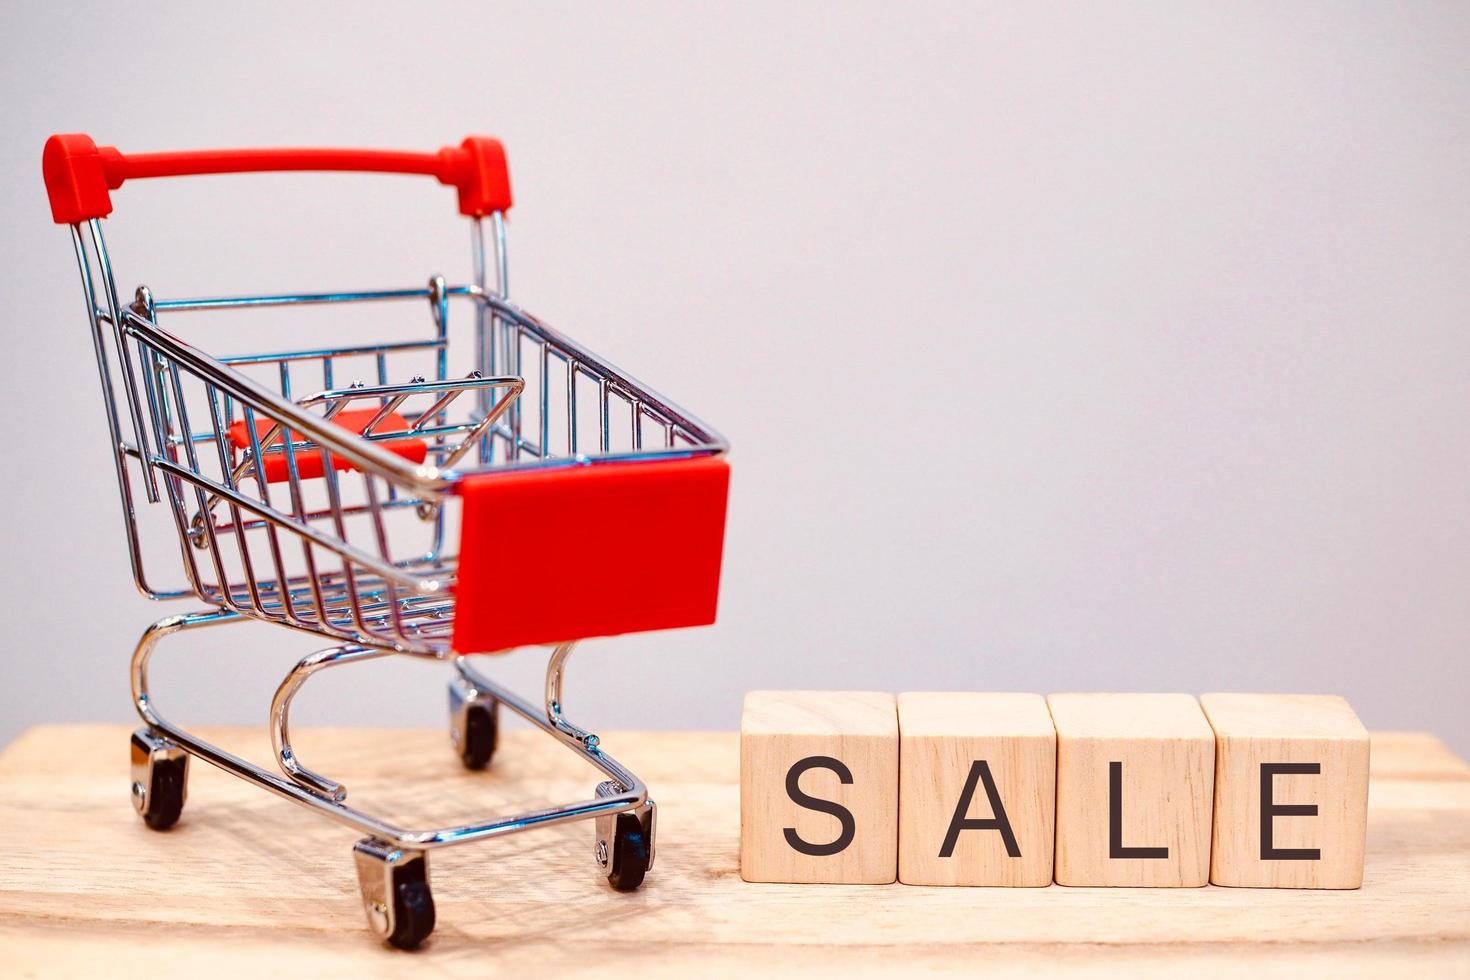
1291, 791
819, 787
977, 789
1135, 789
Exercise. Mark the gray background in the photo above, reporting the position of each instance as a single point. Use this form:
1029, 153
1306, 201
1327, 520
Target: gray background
1113, 347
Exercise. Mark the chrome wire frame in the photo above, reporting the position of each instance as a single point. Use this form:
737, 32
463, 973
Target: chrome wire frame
355, 588
329, 802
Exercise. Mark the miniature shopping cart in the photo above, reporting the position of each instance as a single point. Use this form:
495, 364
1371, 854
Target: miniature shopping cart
397, 495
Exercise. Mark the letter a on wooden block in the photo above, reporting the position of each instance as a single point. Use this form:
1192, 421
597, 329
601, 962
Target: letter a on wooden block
1291, 791
1135, 787
819, 787
977, 789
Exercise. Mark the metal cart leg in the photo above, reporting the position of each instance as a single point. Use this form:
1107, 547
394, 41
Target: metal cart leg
281, 714
160, 764
392, 861
624, 845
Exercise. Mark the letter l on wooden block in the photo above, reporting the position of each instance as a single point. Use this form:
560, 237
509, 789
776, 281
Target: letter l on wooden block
1291, 791
1135, 789
819, 787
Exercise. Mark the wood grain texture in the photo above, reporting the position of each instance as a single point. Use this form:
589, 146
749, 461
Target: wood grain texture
1160, 751
855, 729
248, 884
1256, 730
943, 739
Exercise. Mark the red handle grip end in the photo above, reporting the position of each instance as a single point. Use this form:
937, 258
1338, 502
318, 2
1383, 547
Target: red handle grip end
76, 178
484, 186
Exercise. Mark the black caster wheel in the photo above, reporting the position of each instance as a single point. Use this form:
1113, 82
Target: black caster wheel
413, 915
625, 843
395, 892
474, 725
628, 859
160, 772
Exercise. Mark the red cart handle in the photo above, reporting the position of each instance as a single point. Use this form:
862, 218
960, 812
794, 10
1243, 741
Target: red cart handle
79, 173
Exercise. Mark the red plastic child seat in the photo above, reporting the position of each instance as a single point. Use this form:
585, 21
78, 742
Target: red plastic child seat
309, 461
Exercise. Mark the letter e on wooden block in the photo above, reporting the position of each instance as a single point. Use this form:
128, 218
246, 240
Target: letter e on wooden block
1291, 791
1135, 789
819, 787
977, 789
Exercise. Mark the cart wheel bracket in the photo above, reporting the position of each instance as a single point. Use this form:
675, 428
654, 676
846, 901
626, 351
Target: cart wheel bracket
394, 882
160, 777
625, 841
474, 723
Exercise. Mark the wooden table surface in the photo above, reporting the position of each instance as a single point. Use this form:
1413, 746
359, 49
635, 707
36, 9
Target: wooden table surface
249, 884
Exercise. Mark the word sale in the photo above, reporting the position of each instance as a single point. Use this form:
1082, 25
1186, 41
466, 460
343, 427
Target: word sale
1160, 790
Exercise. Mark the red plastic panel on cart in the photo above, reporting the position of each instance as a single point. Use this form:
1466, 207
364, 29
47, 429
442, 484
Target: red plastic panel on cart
309, 461
562, 554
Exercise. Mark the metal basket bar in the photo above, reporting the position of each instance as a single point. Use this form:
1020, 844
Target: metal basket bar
356, 510
112, 316
273, 537
328, 353
392, 396
581, 459
191, 456
521, 323
370, 457
597, 368
293, 299
224, 462
362, 453
427, 432
290, 522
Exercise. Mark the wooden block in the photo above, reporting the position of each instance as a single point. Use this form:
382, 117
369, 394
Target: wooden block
1135, 787
977, 789
819, 787
1291, 791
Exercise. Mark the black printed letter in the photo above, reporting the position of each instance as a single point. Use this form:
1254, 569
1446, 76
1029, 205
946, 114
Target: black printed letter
1270, 810
843, 815
1115, 821
979, 770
